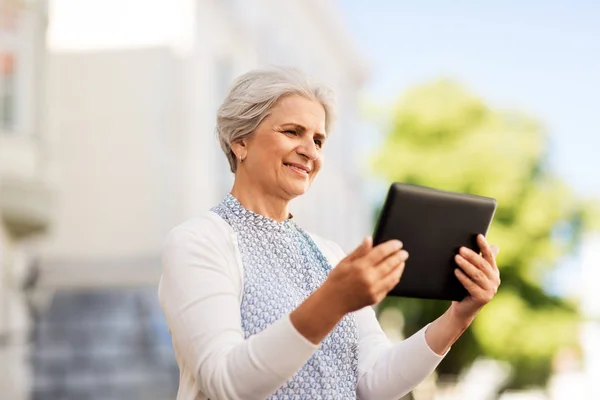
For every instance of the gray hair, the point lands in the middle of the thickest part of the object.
(254, 94)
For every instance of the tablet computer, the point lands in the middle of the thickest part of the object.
(432, 224)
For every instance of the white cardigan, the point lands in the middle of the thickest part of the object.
(200, 292)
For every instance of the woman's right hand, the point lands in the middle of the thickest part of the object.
(361, 279)
(367, 274)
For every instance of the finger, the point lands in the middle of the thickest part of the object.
(362, 250)
(391, 262)
(392, 279)
(473, 288)
(486, 250)
(477, 260)
(474, 273)
(382, 251)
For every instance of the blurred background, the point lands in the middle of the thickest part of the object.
(107, 112)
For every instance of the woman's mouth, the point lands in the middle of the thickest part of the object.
(298, 169)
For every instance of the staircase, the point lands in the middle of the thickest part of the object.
(103, 344)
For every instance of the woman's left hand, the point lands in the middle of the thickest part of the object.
(479, 274)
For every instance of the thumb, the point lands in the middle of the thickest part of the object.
(365, 246)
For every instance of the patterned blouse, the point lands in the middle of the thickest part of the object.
(282, 267)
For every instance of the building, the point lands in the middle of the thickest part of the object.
(132, 87)
(134, 111)
(26, 187)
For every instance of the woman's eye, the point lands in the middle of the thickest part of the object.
(291, 132)
(319, 143)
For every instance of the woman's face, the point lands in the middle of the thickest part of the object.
(283, 156)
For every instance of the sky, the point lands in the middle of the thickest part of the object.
(542, 57)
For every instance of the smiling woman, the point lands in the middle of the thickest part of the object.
(253, 304)
(285, 149)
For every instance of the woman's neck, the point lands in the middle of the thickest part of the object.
(253, 198)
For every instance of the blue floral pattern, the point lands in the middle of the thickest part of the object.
(282, 267)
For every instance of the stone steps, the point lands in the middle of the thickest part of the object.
(103, 344)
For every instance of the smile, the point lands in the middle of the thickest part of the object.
(298, 169)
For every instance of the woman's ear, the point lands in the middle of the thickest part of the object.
(239, 148)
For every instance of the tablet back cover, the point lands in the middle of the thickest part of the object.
(432, 224)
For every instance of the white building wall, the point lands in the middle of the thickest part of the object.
(23, 186)
(118, 151)
(4, 284)
(135, 131)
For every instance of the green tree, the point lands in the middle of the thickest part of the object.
(442, 136)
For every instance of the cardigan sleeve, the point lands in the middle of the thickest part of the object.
(201, 301)
(386, 370)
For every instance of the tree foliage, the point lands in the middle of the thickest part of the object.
(444, 137)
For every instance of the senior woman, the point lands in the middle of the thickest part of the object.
(255, 308)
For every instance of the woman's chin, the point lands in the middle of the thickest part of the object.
(296, 189)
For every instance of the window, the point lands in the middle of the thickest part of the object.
(7, 91)
(9, 10)
(21, 48)
(9, 37)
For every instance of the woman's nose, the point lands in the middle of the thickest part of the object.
(309, 150)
